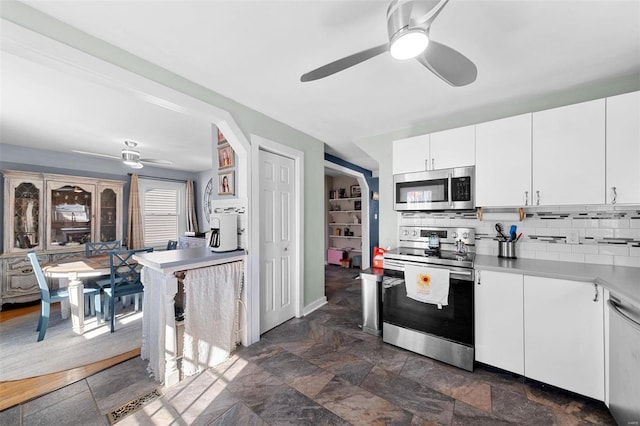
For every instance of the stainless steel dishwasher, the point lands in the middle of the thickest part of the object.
(624, 361)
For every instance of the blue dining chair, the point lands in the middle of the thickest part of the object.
(47, 296)
(101, 247)
(125, 280)
(95, 248)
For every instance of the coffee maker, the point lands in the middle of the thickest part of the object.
(224, 232)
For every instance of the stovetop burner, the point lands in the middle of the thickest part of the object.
(456, 247)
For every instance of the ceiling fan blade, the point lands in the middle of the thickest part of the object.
(155, 161)
(448, 64)
(425, 11)
(344, 63)
(95, 154)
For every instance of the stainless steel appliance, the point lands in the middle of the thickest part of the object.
(445, 189)
(624, 361)
(444, 333)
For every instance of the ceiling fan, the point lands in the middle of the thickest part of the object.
(129, 156)
(408, 24)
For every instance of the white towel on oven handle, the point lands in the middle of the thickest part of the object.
(427, 285)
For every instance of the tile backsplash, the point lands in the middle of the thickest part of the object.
(588, 234)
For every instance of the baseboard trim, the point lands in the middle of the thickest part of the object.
(314, 305)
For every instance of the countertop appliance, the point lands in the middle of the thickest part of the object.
(444, 189)
(444, 333)
(224, 232)
(624, 361)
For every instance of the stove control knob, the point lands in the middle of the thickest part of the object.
(454, 235)
(465, 235)
(405, 232)
(415, 233)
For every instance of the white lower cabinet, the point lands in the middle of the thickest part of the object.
(546, 329)
(564, 334)
(499, 327)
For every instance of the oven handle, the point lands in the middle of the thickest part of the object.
(399, 266)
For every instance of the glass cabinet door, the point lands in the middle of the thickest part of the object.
(26, 203)
(70, 213)
(108, 215)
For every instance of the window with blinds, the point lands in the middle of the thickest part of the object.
(162, 211)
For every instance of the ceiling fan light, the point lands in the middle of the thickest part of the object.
(137, 165)
(407, 44)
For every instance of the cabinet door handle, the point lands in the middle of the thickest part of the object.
(27, 271)
(479, 277)
(526, 198)
(426, 164)
(595, 298)
(615, 195)
(537, 198)
(433, 164)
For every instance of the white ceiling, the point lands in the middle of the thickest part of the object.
(255, 51)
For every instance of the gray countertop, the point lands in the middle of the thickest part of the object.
(623, 281)
(189, 258)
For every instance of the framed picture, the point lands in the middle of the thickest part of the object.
(226, 183)
(357, 205)
(221, 138)
(355, 191)
(225, 156)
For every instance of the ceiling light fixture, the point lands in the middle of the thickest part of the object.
(408, 43)
(130, 156)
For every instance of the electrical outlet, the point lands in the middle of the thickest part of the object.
(573, 237)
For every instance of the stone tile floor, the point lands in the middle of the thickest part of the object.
(320, 369)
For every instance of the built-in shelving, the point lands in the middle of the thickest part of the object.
(344, 213)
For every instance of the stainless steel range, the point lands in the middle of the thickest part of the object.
(443, 331)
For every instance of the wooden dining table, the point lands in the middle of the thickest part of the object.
(71, 272)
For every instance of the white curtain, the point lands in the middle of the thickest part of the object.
(211, 305)
(153, 322)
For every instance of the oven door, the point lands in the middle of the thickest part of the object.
(453, 322)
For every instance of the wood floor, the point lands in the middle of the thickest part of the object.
(18, 391)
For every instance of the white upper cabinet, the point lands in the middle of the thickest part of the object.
(503, 162)
(623, 149)
(411, 154)
(568, 154)
(453, 148)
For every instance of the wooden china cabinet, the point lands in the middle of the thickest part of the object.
(55, 215)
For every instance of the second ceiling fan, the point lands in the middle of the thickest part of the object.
(408, 24)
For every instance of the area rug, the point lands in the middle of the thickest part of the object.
(22, 356)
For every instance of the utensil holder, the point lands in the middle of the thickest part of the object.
(507, 249)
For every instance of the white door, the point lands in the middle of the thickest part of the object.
(623, 149)
(564, 334)
(453, 148)
(499, 320)
(503, 162)
(411, 155)
(568, 154)
(277, 243)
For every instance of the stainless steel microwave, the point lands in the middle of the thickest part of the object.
(444, 189)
